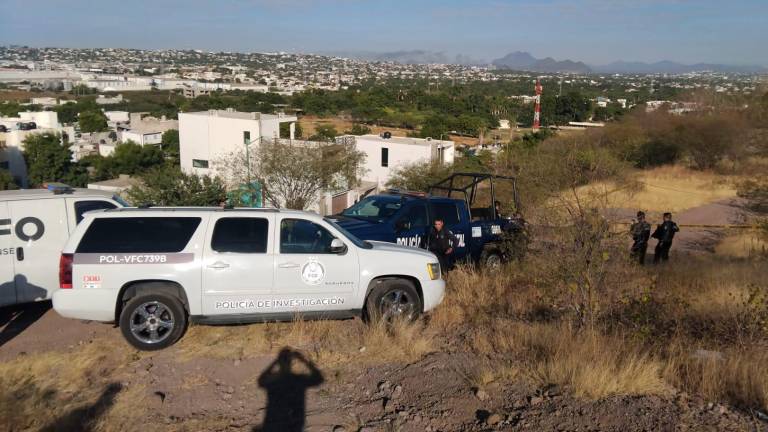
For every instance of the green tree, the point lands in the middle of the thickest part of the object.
(92, 121)
(6, 180)
(130, 158)
(324, 132)
(358, 129)
(165, 186)
(170, 146)
(10, 109)
(47, 158)
(435, 126)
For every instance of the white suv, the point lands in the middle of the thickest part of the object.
(150, 270)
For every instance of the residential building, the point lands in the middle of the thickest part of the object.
(207, 136)
(12, 141)
(141, 138)
(386, 153)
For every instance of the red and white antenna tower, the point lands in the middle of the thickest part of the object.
(537, 107)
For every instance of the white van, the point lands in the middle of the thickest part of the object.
(34, 226)
(152, 270)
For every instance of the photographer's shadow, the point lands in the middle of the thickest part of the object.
(286, 392)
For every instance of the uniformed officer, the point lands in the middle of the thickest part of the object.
(641, 232)
(441, 242)
(665, 232)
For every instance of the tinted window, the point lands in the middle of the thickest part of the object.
(374, 208)
(138, 235)
(447, 212)
(416, 215)
(199, 163)
(241, 235)
(303, 236)
(86, 206)
(384, 157)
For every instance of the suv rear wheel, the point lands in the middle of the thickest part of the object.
(153, 321)
(393, 299)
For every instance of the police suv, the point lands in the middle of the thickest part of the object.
(152, 270)
(34, 225)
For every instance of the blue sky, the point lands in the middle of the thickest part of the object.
(594, 31)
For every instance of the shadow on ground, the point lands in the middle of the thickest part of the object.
(287, 392)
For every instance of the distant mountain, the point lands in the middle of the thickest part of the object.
(524, 61)
(670, 67)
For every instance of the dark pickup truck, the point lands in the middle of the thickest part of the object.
(404, 217)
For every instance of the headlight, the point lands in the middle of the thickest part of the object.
(434, 270)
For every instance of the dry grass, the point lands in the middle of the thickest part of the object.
(743, 245)
(63, 389)
(738, 376)
(590, 364)
(667, 188)
(326, 342)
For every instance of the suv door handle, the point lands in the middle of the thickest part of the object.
(219, 265)
(288, 265)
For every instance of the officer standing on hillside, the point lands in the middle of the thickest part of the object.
(441, 242)
(641, 232)
(665, 232)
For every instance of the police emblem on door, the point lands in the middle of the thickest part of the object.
(313, 272)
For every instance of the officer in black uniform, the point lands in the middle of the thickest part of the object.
(641, 232)
(441, 242)
(665, 232)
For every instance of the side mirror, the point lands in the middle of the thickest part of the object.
(338, 246)
(402, 225)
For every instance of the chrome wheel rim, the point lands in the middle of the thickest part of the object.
(152, 322)
(397, 303)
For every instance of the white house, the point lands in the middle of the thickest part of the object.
(12, 141)
(386, 153)
(207, 136)
(141, 138)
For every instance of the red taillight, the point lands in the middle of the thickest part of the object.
(65, 271)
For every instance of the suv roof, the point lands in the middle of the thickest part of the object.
(155, 211)
(13, 195)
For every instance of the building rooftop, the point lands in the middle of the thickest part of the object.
(231, 113)
(405, 140)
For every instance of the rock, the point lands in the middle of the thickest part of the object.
(535, 400)
(362, 349)
(384, 386)
(481, 394)
(160, 395)
(236, 362)
(339, 428)
(493, 419)
(722, 410)
(229, 390)
(397, 391)
(519, 404)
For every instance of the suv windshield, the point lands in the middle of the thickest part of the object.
(359, 243)
(374, 208)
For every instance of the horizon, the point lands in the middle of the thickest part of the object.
(681, 31)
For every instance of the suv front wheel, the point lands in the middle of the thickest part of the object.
(393, 299)
(153, 321)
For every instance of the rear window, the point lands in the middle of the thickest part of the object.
(447, 212)
(138, 234)
(82, 207)
(240, 235)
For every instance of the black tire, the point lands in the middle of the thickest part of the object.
(491, 259)
(392, 299)
(147, 331)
